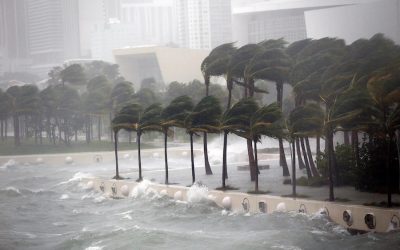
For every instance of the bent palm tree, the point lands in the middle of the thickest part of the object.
(266, 121)
(236, 74)
(236, 120)
(174, 116)
(274, 65)
(215, 64)
(204, 118)
(127, 118)
(305, 120)
(149, 121)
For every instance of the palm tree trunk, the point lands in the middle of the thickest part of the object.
(318, 145)
(192, 158)
(138, 135)
(2, 130)
(389, 171)
(303, 150)
(99, 128)
(252, 165)
(206, 161)
(111, 130)
(116, 155)
(346, 139)
(166, 156)
(17, 141)
(282, 157)
(256, 167)
(294, 169)
(6, 129)
(300, 159)
(329, 149)
(224, 163)
(398, 154)
(314, 170)
(354, 142)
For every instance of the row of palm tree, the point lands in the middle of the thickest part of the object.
(325, 74)
(245, 119)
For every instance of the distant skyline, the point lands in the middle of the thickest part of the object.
(36, 35)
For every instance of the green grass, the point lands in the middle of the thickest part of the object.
(29, 147)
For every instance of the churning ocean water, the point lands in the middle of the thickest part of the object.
(47, 207)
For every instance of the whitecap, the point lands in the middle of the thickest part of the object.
(79, 176)
(94, 248)
(59, 224)
(197, 193)
(127, 217)
(143, 189)
(11, 191)
(9, 164)
(99, 199)
(64, 197)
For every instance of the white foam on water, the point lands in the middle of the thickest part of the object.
(94, 248)
(60, 224)
(79, 176)
(13, 189)
(197, 193)
(8, 164)
(143, 189)
(285, 247)
(99, 199)
(26, 234)
(64, 197)
(127, 217)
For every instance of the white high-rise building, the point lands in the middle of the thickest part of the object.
(13, 40)
(53, 33)
(203, 24)
(134, 23)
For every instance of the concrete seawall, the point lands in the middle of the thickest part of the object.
(353, 217)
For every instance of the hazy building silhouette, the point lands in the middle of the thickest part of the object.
(203, 24)
(352, 22)
(53, 33)
(13, 36)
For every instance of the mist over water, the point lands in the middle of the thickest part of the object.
(47, 207)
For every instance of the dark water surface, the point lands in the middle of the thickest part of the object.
(46, 207)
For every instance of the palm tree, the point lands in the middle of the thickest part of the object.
(174, 116)
(149, 121)
(373, 108)
(236, 74)
(304, 120)
(272, 64)
(236, 120)
(204, 118)
(121, 95)
(127, 118)
(266, 121)
(96, 99)
(73, 74)
(216, 64)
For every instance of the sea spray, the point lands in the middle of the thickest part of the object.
(197, 193)
(143, 189)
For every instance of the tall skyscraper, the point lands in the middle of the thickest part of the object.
(203, 24)
(53, 33)
(134, 23)
(13, 40)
